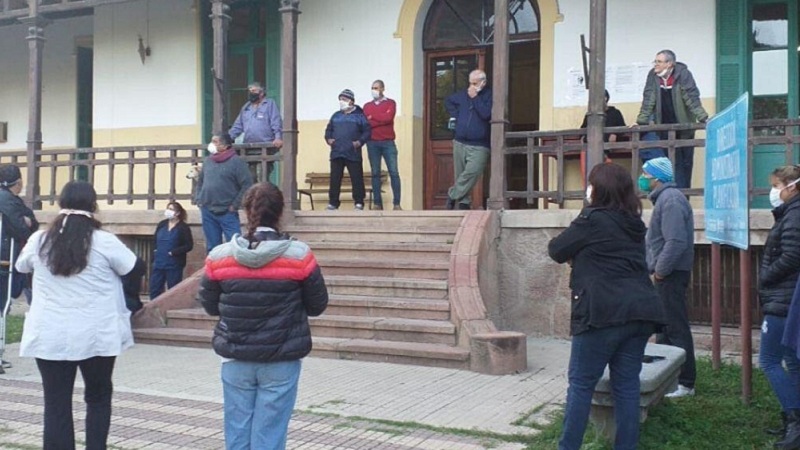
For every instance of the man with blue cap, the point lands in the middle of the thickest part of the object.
(670, 255)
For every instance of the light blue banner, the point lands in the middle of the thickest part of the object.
(726, 200)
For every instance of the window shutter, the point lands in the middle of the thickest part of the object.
(732, 38)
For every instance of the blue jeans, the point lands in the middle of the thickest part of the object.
(158, 277)
(654, 152)
(259, 398)
(387, 150)
(214, 226)
(621, 348)
(785, 382)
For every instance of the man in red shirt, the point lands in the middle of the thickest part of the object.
(380, 113)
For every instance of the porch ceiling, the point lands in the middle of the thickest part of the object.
(12, 10)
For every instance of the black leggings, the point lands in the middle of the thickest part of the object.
(58, 380)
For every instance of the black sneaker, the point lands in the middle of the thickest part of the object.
(6, 364)
(463, 206)
(451, 204)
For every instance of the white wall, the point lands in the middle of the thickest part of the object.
(59, 85)
(345, 44)
(636, 31)
(164, 90)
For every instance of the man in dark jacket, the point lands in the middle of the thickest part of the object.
(671, 95)
(346, 133)
(471, 110)
(220, 187)
(670, 256)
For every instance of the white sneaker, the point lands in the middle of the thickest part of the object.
(331, 208)
(359, 207)
(682, 391)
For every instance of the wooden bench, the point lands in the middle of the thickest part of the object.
(657, 379)
(319, 183)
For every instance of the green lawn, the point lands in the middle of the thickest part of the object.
(14, 328)
(714, 419)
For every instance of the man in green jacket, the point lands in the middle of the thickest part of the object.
(671, 96)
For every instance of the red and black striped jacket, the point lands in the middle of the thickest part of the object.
(263, 293)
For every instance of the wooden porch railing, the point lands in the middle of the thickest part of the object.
(135, 175)
(541, 148)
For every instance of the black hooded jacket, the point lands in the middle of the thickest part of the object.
(610, 282)
(780, 263)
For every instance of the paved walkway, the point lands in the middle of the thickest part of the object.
(170, 398)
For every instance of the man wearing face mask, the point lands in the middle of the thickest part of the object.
(259, 120)
(220, 188)
(18, 224)
(380, 113)
(671, 96)
(670, 256)
(472, 110)
(346, 133)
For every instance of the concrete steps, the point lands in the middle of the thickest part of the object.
(386, 275)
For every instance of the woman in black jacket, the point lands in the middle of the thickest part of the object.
(173, 239)
(615, 307)
(263, 286)
(777, 277)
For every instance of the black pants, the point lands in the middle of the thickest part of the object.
(58, 380)
(356, 171)
(672, 290)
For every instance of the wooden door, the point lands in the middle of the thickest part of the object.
(445, 73)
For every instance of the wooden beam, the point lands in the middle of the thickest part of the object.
(596, 117)
(35, 38)
(220, 21)
(500, 79)
(9, 15)
(290, 9)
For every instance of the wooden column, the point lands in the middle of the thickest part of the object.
(220, 21)
(597, 81)
(290, 10)
(500, 79)
(35, 38)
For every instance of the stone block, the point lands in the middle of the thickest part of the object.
(657, 379)
(498, 353)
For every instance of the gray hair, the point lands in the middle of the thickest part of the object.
(256, 85)
(478, 73)
(669, 55)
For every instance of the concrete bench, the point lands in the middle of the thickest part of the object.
(319, 183)
(657, 379)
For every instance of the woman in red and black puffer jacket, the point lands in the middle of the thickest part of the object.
(263, 286)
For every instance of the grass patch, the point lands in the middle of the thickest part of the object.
(714, 419)
(14, 328)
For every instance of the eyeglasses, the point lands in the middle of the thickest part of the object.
(657, 62)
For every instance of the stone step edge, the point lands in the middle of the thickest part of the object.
(414, 283)
(420, 229)
(396, 348)
(355, 322)
(382, 263)
(417, 247)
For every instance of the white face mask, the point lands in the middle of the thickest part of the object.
(589, 193)
(212, 148)
(343, 105)
(169, 214)
(376, 94)
(775, 197)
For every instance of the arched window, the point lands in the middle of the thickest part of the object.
(470, 23)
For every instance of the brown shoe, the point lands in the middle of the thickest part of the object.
(377, 207)
(397, 208)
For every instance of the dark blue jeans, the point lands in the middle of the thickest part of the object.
(785, 382)
(217, 225)
(621, 348)
(158, 277)
(388, 151)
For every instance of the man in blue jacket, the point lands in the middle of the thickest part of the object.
(346, 133)
(471, 110)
